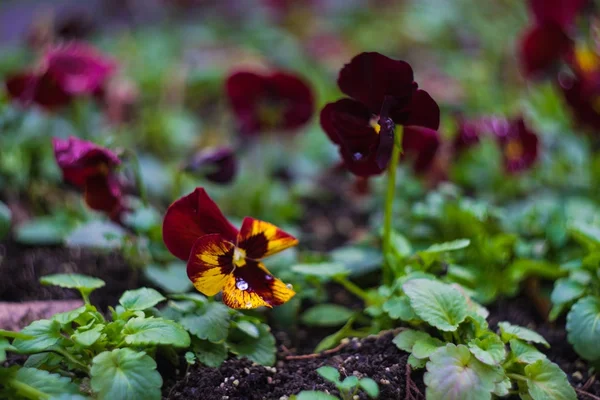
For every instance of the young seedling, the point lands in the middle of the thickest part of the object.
(349, 387)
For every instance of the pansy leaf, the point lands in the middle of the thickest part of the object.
(583, 327)
(211, 322)
(190, 358)
(260, 350)
(349, 382)
(447, 246)
(326, 315)
(171, 278)
(97, 235)
(248, 328)
(399, 307)
(4, 345)
(440, 305)
(453, 373)
(140, 299)
(69, 316)
(490, 350)
(46, 360)
(314, 395)
(41, 231)
(357, 260)
(545, 380)
(525, 353)
(416, 363)
(567, 290)
(324, 269)
(423, 348)
(370, 387)
(83, 283)
(332, 340)
(47, 385)
(503, 387)
(89, 337)
(509, 331)
(209, 353)
(125, 374)
(406, 339)
(155, 331)
(45, 334)
(329, 373)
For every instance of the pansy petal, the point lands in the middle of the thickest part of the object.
(253, 286)
(560, 12)
(422, 111)
(102, 193)
(191, 217)
(210, 263)
(542, 47)
(261, 239)
(420, 144)
(244, 90)
(297, 97)
(347, 123)
(22, 87)
(370, 77)
(217, 164)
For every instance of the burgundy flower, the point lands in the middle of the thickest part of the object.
(275, 102)
(471, 131)
(547, 41)
(383, 93)
(66, 72)
(91, 168)
(218, 164)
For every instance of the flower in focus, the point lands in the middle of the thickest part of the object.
(65, 72)
(581, 89)
(382, 93)
(92, 169)
(221, 258)
(549, 41)
(217, 164)
(266, 103)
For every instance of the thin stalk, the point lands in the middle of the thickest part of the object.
(14, 335)
(27, 391)
(517, 377)
(352, 288)
(68, 356)
(388, 275)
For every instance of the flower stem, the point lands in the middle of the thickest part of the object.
(388, 275)
(352, 288)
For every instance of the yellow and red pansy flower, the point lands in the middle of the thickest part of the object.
(221, 258)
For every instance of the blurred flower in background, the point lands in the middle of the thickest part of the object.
(217, 164)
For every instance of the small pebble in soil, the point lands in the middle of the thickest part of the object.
(384, 381)
(236, 382)
(577, 375)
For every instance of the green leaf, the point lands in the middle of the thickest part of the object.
(509, 331)
(453, 373)
(502, 388)
(4, 345)
(357, 260)
(545, 380)
(490, 351)
(332, 340)
(125, 374)
(190, 358)
(329, 373)
(583, 328)
(5, 218)
(67, 317)
(567, 290)
(210, 354)
(438, 304)
(46, 360)
(171, 279)
(370, 387)
(211, 322)
(45, 333)
(525, 353)
(89, 337)
(406, 339)
(41, 231)
(349, 383)
(45, 383)
(260, 350)
(423, 348)
(154, 331)
(83, 283)
(399, 308)
(326, 315)
(324, 269)
(314, 395)
(96, 234)
(142, 219)
(248, 328)
(401, 245)
(140, 299)
(447, 246)
(416, 363)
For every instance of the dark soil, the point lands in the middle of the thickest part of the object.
(21, 268)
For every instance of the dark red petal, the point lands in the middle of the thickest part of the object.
(295, 94)
(370, 77)
(78, 68)
(189, 218)
(422, 111)
(527, 142)
(22, 87)
(244, 90)
(560, 12)
(218, 165)
(347, 123)
(542, 47)
(79, 159)
(103, 193)
(420, 145)
(581, 99)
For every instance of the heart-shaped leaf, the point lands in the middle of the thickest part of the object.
(583, 327)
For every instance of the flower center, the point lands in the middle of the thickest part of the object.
(374, 122)
(586, 59)
(239, 257)
(514, 150)
(270, 114)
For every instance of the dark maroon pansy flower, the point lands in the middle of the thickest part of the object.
(547, 41)
(383, 93)
(519, 146)
(66, 72)
(217, 164)
(91, 168)
(266, 103)
(470, 132)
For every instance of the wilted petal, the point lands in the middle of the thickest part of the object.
(191, 217)
(370, 77)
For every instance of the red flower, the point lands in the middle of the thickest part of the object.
(221, 258)
(263, 103)
(66, 72)
(217, 164)
(91, 168)
(383, 93)
(547, 42)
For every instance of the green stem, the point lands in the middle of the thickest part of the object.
(352, 288)
(517, 377)
(14, 335)
(388, 275)
(27, 391)
(69, 357)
